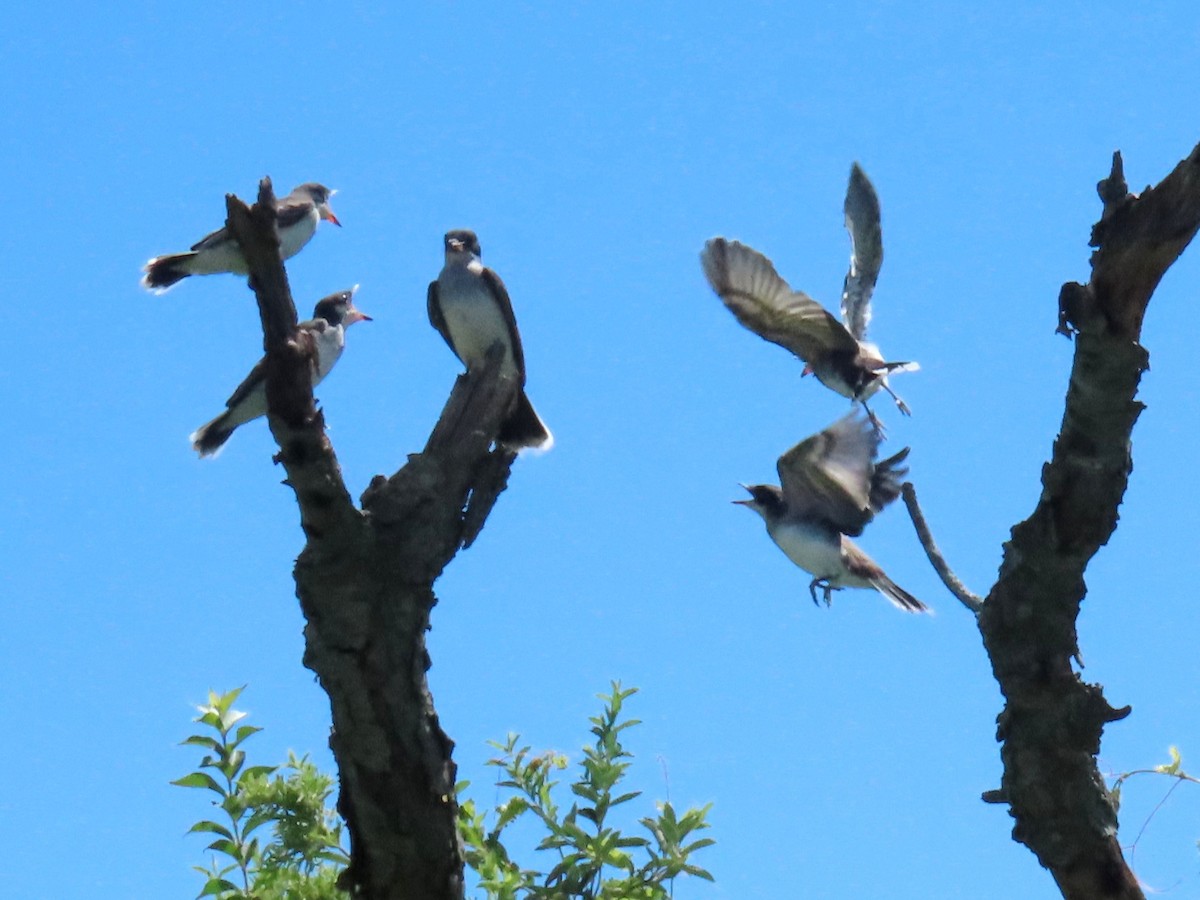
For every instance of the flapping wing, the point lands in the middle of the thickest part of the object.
(764, 303)
(828, 475)
(886, 479)
(866, 252)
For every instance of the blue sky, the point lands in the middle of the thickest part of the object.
(594, 148)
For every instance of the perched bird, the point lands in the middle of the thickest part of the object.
(469, 307)
(832, 488)
(333, 315)
(298, 214)
(836, 352)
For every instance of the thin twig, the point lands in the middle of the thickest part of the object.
(971, 601)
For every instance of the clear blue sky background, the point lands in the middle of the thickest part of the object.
(594, 148)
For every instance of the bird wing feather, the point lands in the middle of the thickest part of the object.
(863, 222)
(500, 292)
(764, 303)
(828, 475)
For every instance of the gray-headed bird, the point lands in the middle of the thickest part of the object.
(831, 488)
(297, 216)
(333, 315)
(469, 306)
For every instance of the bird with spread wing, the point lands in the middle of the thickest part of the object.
(831, 489)
(836, 352)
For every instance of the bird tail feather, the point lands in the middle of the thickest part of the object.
(899, 597)
(208, 439)
(524, 428)
(163, 272)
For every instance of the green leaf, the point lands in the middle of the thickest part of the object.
(199, 780)
(215, 887)
(252, 772)
(226, 846)
(244, 732)
(510, 810)
(202, 740)
(212, 827)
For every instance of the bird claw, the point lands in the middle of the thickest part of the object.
(875, 423)
(826, 588)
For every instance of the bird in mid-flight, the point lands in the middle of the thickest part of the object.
(837, 353)
(831, 488)
(469, 306)
(333, 315)
(297, 216)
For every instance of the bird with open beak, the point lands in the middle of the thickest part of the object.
(297, 216)
(332, 316)
(831, 488)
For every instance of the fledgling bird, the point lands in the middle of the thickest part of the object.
(831, 488)
(333, 315)
(836, 352)
(469, 306)
(298, 214)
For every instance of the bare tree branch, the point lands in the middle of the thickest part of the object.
(971, 601)
(365, 583)
(1052, 722)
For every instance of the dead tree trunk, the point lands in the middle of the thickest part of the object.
(365, 583)
(1052, 721)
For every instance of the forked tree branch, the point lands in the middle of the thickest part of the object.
(365, 583)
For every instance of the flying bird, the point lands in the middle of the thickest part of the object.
(469, 306)
(333, 315)
(837, 353)
(831, 488)
(297, 216)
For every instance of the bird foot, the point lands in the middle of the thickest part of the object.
(826, 588)
(875, 423)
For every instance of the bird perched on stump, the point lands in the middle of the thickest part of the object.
(332, 316)
(469, 306)
(831, 488)
(297, 216)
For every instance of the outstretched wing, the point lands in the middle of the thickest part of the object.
(764, 303)
(829, 475)
(866, 252)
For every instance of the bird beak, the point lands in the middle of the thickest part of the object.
(808, 370)
(455, 245)
(356, 315)
(327, 214)
(749, 502)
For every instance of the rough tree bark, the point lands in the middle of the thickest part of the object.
(365, 583)
(1052, 720)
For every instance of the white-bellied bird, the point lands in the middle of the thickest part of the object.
(297, 216)
(831, 488)
(333, 315)
(469, 306)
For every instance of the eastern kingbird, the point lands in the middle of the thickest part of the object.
(469, 307)
(836, 352)
(298, 214)
(832, 488)
(333, 315)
